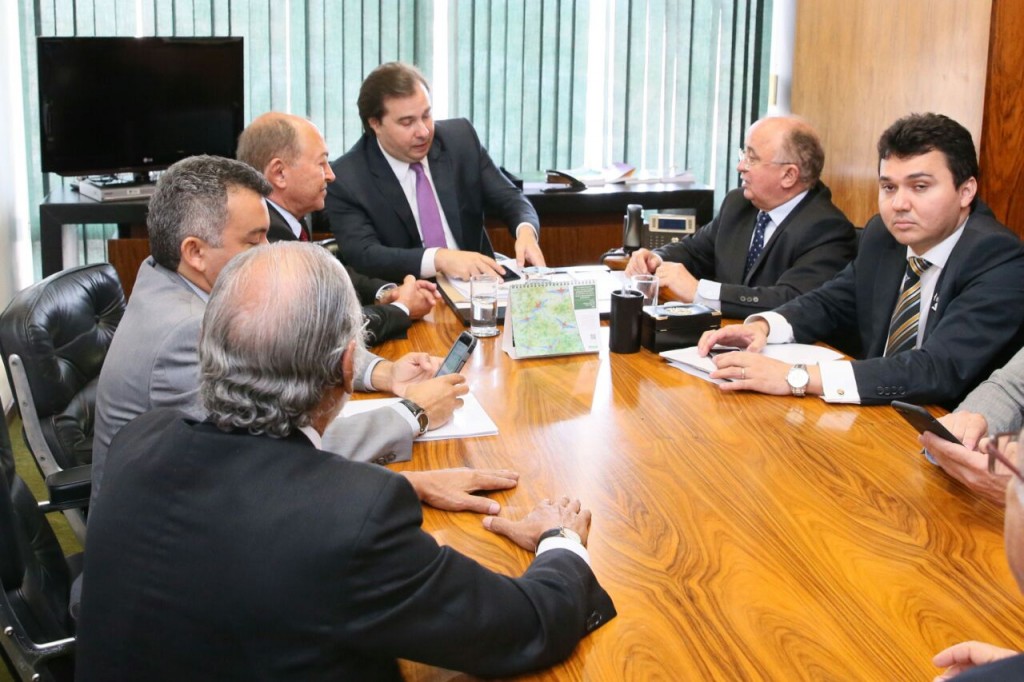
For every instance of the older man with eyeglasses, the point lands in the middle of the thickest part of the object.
(776, 237)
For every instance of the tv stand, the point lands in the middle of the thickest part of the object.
(116, 189)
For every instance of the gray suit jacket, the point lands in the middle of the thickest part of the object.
(1000, 397)
(812, 244)
(153, 362)
(372, 219)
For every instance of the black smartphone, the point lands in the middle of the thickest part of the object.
(920, 419)
(458, 355)
(510, 275)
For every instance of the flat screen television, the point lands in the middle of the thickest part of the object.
(120, 105)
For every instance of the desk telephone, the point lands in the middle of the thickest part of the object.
(663, 228)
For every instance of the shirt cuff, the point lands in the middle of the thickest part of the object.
(779, 330)
(404, 413)
(576, 548)
(427, 267)
(369, 373)
(838, 384)
(709, 293)
(401, 306)
(520, 227)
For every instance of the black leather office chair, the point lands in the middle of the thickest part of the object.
(36, 627)
(54, 336)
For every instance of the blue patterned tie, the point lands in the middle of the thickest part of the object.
(757, 244)
(906, 315)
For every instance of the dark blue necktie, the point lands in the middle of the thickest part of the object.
(757, 244)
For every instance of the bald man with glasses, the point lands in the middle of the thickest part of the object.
(776, 237)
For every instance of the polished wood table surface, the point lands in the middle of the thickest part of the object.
(741, 536)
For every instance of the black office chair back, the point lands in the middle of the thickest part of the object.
(60, 330)
(36, 628)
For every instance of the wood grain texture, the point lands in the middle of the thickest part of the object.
(861, 64)
(1002, 138)
(741, 536)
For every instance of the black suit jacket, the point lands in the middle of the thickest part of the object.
(383, 322)
(811, 245)
(974, 325)
(374, 223)
(225, 556)
(1003, 670)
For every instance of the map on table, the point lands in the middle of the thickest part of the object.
(551, 318)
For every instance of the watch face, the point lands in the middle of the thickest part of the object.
(798, 377)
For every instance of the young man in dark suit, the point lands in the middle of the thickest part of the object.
(933, 296)
(410, 195)
(237, 549)
(292, 155)
(776, 237)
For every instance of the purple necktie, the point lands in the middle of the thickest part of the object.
(430, 217)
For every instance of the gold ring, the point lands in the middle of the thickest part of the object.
(743, 373)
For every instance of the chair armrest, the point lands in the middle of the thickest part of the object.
(69, 488)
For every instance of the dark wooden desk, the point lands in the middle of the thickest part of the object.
(583, 225)
(741, 536)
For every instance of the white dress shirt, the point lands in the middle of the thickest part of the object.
(839, 385)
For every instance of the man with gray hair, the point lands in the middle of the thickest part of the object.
(776, 237)
(205, 211)
(328, 577)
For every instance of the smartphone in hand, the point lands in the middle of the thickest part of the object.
(922, 420)
(458, 355)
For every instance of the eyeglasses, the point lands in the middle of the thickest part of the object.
(749, 159)
(999, 449)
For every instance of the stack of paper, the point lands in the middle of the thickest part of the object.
(687, 359)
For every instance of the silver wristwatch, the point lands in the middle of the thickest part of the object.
(798, 378)
(560, 532)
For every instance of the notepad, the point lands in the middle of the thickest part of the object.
(551, 318)
(792, 353)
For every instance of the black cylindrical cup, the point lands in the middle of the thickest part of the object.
(624, 336)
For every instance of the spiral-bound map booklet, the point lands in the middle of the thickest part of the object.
(551, 318)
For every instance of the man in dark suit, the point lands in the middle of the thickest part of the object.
(237, 549)
(410, 196)
(292, 155)
(775, 238)
(933, 296)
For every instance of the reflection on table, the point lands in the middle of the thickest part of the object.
(741, 536)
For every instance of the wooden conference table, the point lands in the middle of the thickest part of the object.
(741, 536)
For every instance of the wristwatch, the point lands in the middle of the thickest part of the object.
(383, 294)
(560, 532)
(418, 413)
(798, 378)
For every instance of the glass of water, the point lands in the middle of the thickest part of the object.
(646, 285)
(483, 301)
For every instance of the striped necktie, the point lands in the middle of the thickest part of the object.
(430, 216)
(903, 327)
(757, 243)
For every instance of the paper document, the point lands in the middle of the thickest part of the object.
(468, 421)
(791, 353)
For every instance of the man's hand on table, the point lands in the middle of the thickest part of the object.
(396, 377)
(418, 295)
(968, 463)
(452, 489)
(527, 248)
(545, 516)
(439, 397)
(966, 655)
(465, 264)
(642, 262)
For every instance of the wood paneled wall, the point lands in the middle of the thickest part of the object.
(861, 64)
(1002, 137)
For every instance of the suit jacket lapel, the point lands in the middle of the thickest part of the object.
(392, 192)
(778, 231)
(737, 249)
(444, 183)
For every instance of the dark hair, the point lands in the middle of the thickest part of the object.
(191, 200)
(393, 79)
(919, 134)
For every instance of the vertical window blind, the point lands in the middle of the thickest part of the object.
(660, 84)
